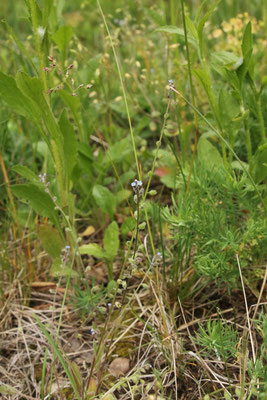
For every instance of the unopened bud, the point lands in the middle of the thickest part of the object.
(142, 226)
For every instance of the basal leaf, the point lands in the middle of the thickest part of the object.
(58, 270)
(92, 249)
(39, 200)
(128, 225)
(208, 155)
(104, 199)
(26, 172)
(51, 240)
(14, 98)
(111, 240)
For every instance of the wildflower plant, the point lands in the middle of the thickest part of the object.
(217, 339)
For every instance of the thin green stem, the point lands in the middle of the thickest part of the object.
(123, 89)
(137, 224)
(248, 143)
(157, 150)
(260, 118)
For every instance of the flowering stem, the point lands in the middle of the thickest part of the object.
(157, 150)
(137, 225)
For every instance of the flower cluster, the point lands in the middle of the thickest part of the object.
(66, 75)
(156, 260)
(65, 255)
(42, 179)
(138, 189)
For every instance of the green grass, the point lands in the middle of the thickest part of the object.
(133, 200)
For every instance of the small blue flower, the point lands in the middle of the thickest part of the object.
(67, 247)
(133, 184)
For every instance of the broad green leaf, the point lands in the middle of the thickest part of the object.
(202, 23)
(236, 165)
(191, 27)
(47, 7)
(92, 249)
(86, 150)
(264, 81)
(208, 155)
(200, 11)
(225, 59)
(178, 31)
(112, 286)
(62, 37)
(170, 29)
(38, 11)
(247, 40)
(39, 200)
(20, 45)
(111, 240)
(73, 102)
(13, 96)
(229, 106)
(104, 199)
(244, 67)
(119, 151)
(232, 79)
(259, 164)
(26, 172)
(70, 143)
(58, 270)
(155, 16)
(122, 195)
(86, 165)
(33, 89)
(128, 225)
(51, 240)
(204, 79)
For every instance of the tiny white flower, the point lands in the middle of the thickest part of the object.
(41, 32)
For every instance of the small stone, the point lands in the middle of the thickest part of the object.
(119, 367)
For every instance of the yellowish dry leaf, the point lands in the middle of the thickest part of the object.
(88, 231)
